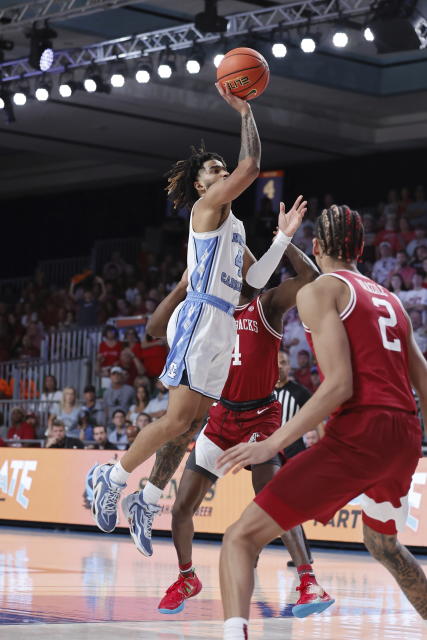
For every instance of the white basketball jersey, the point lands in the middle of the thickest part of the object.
(215, 260)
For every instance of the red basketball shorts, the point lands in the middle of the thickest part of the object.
(226, 428)
(373, 452)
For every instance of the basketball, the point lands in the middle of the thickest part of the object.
(245, 71)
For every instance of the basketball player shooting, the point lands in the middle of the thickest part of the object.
(363, 342)
(204, 333)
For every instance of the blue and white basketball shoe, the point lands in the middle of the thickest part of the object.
(106, 495)
(140, 515)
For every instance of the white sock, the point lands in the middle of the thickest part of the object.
(118, 475)
(236, 629)
(151, 494)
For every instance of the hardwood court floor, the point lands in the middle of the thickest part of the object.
(56, 585)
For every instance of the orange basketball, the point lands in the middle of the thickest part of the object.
(245, 71)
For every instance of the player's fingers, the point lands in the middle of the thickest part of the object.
(282, 208)
(297, 202)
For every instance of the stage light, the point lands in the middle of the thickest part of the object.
(195, 60)
(164, 70)
(166, 65)
(19, 98)
(93, 81)
(143, 73)
(218, 59)
(368, 34)
(340, 39)
(279, 50)
(41, 48)
(2, 103)
(308, 44)
(117, 80)
(67, 85)
(43, 90)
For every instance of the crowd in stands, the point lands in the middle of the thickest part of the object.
(126, 394)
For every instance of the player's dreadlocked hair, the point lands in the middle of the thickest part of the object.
(184, 173)
(340, 232)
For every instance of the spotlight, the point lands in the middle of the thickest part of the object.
(218, 59)
(67, 85)
(279, 48)
(94, 81)
(118, 75)
(43, 90)
(143, 73)
(195, 60)
(2, 103)
(308, 44)
(167, 64)
(20, 98)
(41, 49)
(368, 34)
(340, 39)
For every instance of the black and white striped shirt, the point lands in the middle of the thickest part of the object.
(292, 396)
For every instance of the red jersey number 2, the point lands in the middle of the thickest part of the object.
(391, 321)
(236, 356)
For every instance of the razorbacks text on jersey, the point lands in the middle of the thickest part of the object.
(256, 348)
(377, 330)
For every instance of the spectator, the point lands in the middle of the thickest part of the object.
(118, 435)
(101, 439)
(131, 432)
(31, 341)
(109, 350)
(154, 352)
(91, 412)
(419, 240)
(158, 405)
(420, 333)
(69, 412)
(369, 246)
(51, 395)
(405, 200)
(294, 337)
(311, 438)
(397, 286)
(142, 420)
(419, 254)
(424, 271)
(59, 440)
(118, 396)
(315, 378)
(20, 429)
(302, 374)
(417, 210)
(141, 403)
(88, 307)
(402, 268)
(384, 265)
(416, 298)
(131, 365)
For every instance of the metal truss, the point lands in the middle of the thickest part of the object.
(286, 16)
(25, 13)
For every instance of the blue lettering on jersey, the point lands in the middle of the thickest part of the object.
(231, 282)
(239, 262)
(238, 238)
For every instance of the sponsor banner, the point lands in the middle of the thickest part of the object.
(39, 485)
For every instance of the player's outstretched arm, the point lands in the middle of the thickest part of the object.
(317, 306)
(418, 373)
(280, 299)
(158, 322)
(247, 169)
(258, 273)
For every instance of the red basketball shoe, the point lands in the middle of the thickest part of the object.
(185, 587)
(313, 598)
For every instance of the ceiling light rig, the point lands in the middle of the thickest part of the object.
(144, 71)
(167, 64)
(43, 90)
(195, 60)
(41, 48)
(279, 48)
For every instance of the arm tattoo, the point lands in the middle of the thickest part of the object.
(250, 145)
(169, 456)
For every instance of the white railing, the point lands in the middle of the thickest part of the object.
(61, 270)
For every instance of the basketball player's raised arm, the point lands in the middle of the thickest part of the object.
(158, 321)
(283, 297)
(258, 273)
(247, 170)
(418, 373)
(317, 306)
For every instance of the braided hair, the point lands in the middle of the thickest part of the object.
(340, 232)
(183, 174)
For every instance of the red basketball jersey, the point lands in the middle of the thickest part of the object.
(377, 330)
(253, 371)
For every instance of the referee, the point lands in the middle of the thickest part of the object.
(291, 396)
